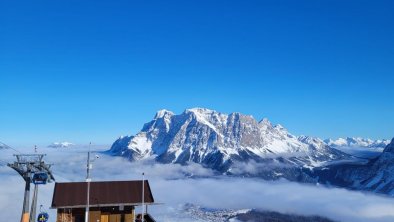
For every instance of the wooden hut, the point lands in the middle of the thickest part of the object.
(110, 201)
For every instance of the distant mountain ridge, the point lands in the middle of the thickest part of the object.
(61, 145)
(237, 144)
(376, 175)
(220, 141)
(357, 142)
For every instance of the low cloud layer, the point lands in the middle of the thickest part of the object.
(175, 185)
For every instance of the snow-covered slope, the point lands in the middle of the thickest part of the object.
(379, 173)
(219, 140)
(360, 147)
(357, 142)
(61, 145)
(375, 175)
(237, 144)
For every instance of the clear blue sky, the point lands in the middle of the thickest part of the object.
(93, 70)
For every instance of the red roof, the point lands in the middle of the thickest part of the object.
(105, 193)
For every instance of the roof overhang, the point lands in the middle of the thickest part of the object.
(104, 205)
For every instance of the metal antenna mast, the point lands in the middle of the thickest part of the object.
(33, 169)
(89, 166)
(88, 179)
(143, 197)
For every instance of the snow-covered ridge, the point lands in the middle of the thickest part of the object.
(218, 140)
(390, 147)
(376, 175)
(61, 145)
(239, 145)
(162, 113)
(357, 142)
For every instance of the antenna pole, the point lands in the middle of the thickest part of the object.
(88, 179)
(143, 197)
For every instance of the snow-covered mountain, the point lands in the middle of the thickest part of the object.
(375, 175)
(237, 144)
(223, 141)
(61, 145)
(357, 142)
(379, 174)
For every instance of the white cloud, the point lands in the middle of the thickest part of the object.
(254, 168)
(172, 187)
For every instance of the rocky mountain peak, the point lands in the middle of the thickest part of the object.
(199, 110)
(390, 148)
(163, 113)
(217, 140)
(265, 123)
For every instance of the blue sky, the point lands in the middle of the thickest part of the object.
(93, 70)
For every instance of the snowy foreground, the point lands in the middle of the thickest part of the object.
(176, 186)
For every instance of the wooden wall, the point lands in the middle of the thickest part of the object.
(104, 214)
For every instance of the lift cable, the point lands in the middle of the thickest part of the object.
(8, 147)
(3, 163)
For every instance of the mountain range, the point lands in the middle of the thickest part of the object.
(61, 145)
(375, 175)
(221, 142)
(357, 142)
(239, 145)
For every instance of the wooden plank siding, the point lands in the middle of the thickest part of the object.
(104, 214)
(94, 216)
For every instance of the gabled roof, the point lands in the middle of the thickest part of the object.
(105, 193)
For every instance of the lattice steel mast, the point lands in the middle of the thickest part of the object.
(28, 165)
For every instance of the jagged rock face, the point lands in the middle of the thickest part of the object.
(237, 144)
(381, 172)
(218, 140)
(118, 146)
(389, 148)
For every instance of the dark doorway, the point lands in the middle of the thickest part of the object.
(79, 218)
